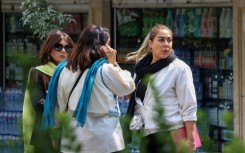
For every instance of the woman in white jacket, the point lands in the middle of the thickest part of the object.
(88, 86)
(172, 78)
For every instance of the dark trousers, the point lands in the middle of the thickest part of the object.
(160, 142)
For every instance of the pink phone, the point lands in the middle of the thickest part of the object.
(104, 50)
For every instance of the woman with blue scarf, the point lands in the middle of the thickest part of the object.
(86, 86)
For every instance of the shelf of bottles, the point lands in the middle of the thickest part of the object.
(20, 44)
(203, 39)
(21, 53)
(11, 103)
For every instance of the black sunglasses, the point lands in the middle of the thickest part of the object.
(59, 47)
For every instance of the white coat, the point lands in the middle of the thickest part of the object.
(102, 132)
(176, 92)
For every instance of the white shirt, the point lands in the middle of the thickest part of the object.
(102, 131)
(175, 87)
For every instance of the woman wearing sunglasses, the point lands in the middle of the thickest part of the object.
(55, 49)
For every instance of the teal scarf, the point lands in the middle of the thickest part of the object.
(81, 109)
(51, 97)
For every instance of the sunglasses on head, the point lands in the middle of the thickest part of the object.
(59, 47)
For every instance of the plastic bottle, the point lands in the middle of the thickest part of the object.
(210, 23)
(7, 98)
(12, 71)
(13, 23)
(2, 143)
(169, 19)
(197, 22)
(15, 125)
(222, 23)
(176, 25)
(5, 124)
(204, 25)
(214, 22)
(18, 117)
(1, 122)
(228, 24)
(145, 24)
(1, 96)
(191, 21)
(183, 23)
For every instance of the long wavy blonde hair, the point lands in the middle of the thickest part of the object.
(145, 47)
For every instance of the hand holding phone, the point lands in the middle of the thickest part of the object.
(110, 53)
(104, 50)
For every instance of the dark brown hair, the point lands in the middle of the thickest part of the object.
(52, 39)
(86, 51)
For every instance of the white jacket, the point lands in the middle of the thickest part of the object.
(174, 84)
(102, 131)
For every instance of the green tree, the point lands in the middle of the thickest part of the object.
(42, 18)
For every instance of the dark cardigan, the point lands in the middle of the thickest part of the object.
(37, 85)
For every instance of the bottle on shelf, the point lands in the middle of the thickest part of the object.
(204, 25)
(13, 23)
(176, 24)
(145, 24)
(210, 23)
(183, 22)
(8, 49)
(222, 23)
(191, 23)
(20, 47)
(1, 96)
(197, 22)
(14, 48)
(11, 71)
(228, 25)
(213, 14)
(169, 19)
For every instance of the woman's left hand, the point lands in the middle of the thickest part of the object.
(191, 146)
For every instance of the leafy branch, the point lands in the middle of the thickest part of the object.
(42, 18)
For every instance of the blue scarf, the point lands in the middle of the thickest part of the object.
(81, 109)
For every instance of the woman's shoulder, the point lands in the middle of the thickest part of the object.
(66, 72)
(34, 71)
(36, 75)
(67, 75)
(180, 63)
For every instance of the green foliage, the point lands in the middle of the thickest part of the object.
(236, 146)
(42, 18)
(164, 137)
(202, 121)
(68, 133)
(228, 118)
